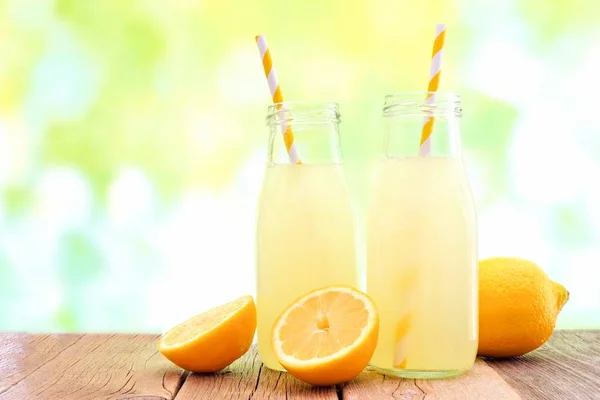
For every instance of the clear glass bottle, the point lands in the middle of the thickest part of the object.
(422, 242)
(306, 222)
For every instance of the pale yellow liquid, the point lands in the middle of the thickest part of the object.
(305, 240)
(422, 267)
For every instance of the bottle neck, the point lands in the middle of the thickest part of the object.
(422, 124)
(304, 131)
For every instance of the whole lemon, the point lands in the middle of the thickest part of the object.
(518, 306)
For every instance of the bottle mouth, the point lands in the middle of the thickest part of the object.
(431, 104)
(303, 112)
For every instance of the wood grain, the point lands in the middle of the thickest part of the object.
(372, 385)
(88, 367)
(22, 354)
(481, 382)
(247, 379)
(128, 367)
(567, 367)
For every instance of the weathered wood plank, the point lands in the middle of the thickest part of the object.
(372, 385)
(129, 367)
(481, 382)
(281, 385)
(22, 354)
(90, 367)
(566, 367)
(238, 381)
(248, 378)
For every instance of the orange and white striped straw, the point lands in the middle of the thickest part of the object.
(288, 134)
(434, 82)
(404, 334)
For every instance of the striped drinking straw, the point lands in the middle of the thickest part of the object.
(434, 83)
(288, 134)
(411, 279)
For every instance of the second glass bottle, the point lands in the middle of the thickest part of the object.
(422, 242)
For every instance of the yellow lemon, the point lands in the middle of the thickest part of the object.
(518, 306)
(211, 341)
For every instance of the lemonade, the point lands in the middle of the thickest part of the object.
(422, 266)
(305, 240)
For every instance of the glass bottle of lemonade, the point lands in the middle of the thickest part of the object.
(422, 243)
(305, 228)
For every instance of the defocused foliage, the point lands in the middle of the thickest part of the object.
(132, 140)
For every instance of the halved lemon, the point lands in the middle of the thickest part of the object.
(211, 341)
(327, 336)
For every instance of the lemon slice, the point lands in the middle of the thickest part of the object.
(327, 336)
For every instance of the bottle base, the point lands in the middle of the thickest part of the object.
(420, 374)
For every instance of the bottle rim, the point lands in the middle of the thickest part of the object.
(303, 112)
(424, 103)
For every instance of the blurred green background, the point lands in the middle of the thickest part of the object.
(132, 140)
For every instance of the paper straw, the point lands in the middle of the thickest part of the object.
(403, 325)
(401, 348)
(403, 336)
(434, 82)
(275, 89)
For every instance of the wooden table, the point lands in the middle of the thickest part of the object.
(128, 367)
